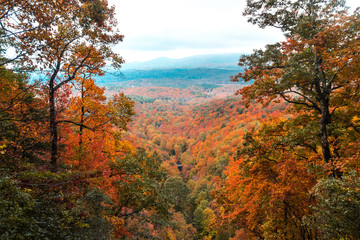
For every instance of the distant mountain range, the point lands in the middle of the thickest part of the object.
(172, 77)
(221, 61)
(166, 72)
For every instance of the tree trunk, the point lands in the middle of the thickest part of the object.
(81, 130)
(53, 123)
(82, 115)
(323, 89)
(325, 120)
(53, 126)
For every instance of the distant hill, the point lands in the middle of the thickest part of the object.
(222, 61)
(174, 77)
(197, 70)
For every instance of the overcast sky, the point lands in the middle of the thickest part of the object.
(180, 28)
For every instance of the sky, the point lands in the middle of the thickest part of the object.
(181, 28)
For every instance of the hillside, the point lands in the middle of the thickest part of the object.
(170, 148)
(204, 138)
(178, 85)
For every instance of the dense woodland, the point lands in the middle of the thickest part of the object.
(275, 156)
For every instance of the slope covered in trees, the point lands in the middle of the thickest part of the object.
(204, 139)
(178, 161)
(288, 177)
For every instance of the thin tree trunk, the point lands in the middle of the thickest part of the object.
(82, 115)
(324, 122)
(81, 130)
(53, 123)
(53, 127)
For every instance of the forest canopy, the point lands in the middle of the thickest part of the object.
(63, 159)
(283, 178)
(279, 161)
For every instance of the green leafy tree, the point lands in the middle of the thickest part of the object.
(141, 195)
(16, 205)
(337, 211)
(44, 205)
(178, 192)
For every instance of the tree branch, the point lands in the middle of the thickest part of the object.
(75, 123)
(74, 73)
(299, 103)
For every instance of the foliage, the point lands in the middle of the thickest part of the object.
(69, 170)
(22, 123)
(94, 119)
(15, 212)
(204, 151)
(65, 39)
(61, 120)
(312, 68)
(44, 207)
(141, 194)
(337, 211)
(267, 192)
(178, 192)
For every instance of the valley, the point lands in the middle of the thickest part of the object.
(193, 148)
(191, 117)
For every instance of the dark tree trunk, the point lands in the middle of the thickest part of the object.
(53, 122)
(81, 130)
(82, 115)
(53, 127)
(323, 87)
(325, 120)
(323, 90)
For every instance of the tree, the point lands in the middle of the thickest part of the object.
(337, 211)
(268, 189)
(178, 192)
(92, 140)
(16, 222)
(141, 198)
(22, 121)
(46, 205)
(64, 38)
(316, 68)
(266, 192)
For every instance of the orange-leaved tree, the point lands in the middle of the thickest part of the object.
(60, 39)
(267, 189)
(93, 140)
(316, 68)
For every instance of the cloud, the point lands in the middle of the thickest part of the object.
(183, 40)
(159, 28)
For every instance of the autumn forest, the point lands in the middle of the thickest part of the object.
(267, 149)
